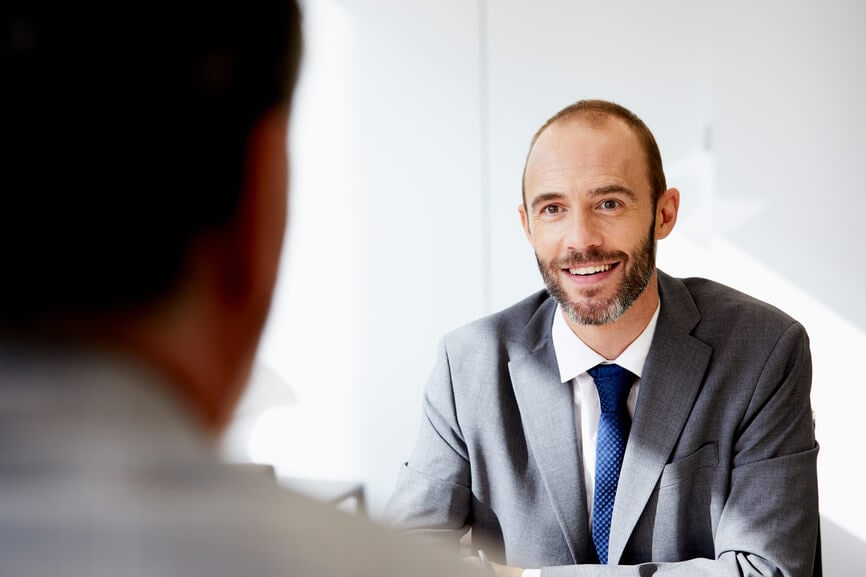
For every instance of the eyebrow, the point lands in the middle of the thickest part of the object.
(546, 197)
(613, 188)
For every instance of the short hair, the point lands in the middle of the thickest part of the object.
(598, 111)
(124, 129)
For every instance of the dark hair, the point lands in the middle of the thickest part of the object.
(598, 111)
(123, 128)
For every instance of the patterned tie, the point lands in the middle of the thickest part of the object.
(613, 383)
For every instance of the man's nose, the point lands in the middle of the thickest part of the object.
(583, 232)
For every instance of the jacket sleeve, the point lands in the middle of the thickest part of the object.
(433, 496)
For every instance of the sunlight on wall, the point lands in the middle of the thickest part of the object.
(294, 440)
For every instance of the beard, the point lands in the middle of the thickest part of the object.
(596, 311)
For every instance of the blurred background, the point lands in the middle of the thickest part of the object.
(410, 130)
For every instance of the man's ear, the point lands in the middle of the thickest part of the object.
(524, 221)
(241, 264)
(256, 237)
(667, 208)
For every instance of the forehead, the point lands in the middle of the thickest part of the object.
(578, 152)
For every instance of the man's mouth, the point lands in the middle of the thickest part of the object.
(590, 270)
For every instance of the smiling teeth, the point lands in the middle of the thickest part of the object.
(584, 270)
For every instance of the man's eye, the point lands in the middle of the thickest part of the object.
(609, 204)
(551, 209)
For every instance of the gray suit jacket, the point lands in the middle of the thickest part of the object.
(719, 475)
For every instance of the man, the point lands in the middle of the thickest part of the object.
(144, 204)
(713, 467)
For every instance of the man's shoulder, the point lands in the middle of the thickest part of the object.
(713, 293)
(316, 538)
(222, 524)
(718, 303)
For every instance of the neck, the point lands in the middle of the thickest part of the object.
(198, 356)
(611, 339)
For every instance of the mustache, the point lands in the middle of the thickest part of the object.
(575, 259)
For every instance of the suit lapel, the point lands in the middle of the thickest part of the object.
(670, 382)
(547, 411)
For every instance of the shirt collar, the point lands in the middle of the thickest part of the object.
(574, 357)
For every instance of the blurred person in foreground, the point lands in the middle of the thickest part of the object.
(144, 200)
(713, 467)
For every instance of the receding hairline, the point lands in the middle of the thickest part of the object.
(600, 113)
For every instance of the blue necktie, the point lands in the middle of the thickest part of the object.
(613, 383)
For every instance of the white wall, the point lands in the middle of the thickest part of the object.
(386, 236)
(410, 132)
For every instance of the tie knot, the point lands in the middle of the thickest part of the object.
(613, 383)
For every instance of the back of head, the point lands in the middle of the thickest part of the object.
(123, 130)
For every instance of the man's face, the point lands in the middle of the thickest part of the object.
(590, 217)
